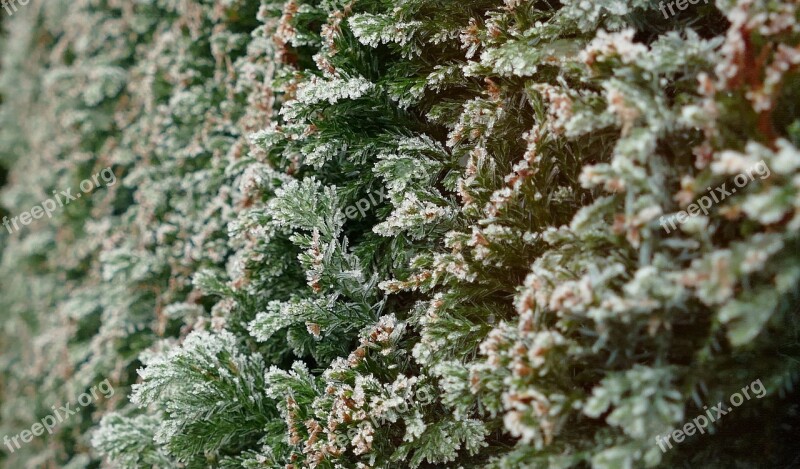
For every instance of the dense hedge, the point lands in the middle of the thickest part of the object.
(401, 233)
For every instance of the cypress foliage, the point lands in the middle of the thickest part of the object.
(401, 233)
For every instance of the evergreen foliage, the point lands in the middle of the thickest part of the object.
(512, 302)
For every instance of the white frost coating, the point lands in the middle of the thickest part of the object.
(372, 30)
(330, 91)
